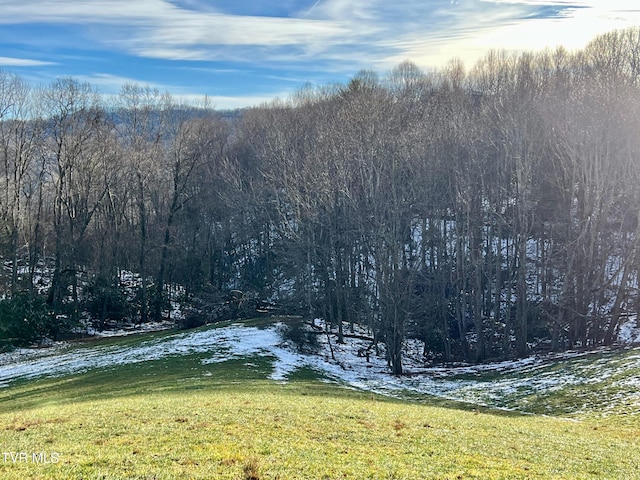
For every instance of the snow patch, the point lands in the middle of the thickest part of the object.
(629, 333)
(510, 385)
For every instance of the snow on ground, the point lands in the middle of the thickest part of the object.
(629, 333)
(511, 385)
(130, 329)
(518, 384)
(68, 359)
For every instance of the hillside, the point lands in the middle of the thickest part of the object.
(238, 402)
(483, 211)
(569, 383)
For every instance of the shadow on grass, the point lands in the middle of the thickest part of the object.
(166, 375)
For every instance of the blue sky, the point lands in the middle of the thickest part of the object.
(244, 52)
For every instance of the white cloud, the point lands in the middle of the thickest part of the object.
(110, 85)
(22, 62)
(516, 25)
(230, 102)
(158, 21)
(581, 22)
(334, 35)
(159, 29)
(352, 10)
(72, 11)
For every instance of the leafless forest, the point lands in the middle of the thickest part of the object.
(486, 211)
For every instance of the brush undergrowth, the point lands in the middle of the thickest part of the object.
(177, 418)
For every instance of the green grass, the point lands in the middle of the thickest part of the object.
(601, 383)
(177, 418)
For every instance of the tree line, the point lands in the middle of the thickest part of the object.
(483, 211)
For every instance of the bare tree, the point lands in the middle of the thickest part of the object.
(141, 130)
(77, 162)
(19, 139)
(195, 143)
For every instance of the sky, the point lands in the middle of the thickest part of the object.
(245, 52)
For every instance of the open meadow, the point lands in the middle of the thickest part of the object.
(203, 404)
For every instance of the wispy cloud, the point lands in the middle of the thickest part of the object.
(160, 23)
(574, 24)
(22, 62)
(229, 102)
(344, 31)
(468, 29)
(110, 85)
(290, 39)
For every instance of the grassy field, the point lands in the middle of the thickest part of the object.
(177, 417)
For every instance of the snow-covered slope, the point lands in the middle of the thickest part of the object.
(594, 382)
